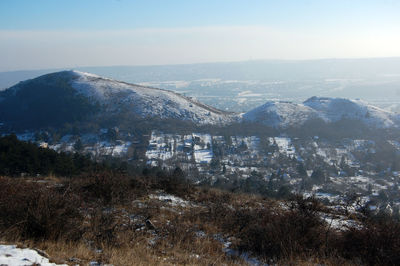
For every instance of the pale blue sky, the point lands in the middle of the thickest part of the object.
(68, 33)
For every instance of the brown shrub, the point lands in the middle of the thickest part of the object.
(174, 183)
(31, 210)
(265, 232)
(375, 242)
(103, 188)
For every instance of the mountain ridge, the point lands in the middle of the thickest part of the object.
(103, 96)
(328, 109)
(69, 96)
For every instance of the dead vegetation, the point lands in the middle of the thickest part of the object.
(160, 219)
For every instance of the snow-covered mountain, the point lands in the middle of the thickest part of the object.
(145, 101)
(334, 109)
(280, 114)
(286, 114)
(63, 98)
(94, 94)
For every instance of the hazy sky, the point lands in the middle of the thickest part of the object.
(69, 33)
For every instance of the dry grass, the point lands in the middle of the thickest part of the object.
(103, 217)
(313, 261)
(200, 252)
(106, 232)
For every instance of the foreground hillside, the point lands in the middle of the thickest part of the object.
(151, 220)
(154, 217)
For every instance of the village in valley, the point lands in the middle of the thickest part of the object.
(354, 172)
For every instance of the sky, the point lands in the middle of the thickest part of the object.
(40, 34)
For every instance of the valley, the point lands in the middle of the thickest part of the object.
(334, 171)
(332, 148)
(339, 156)
(199, 133)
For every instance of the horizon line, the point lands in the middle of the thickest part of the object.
(206, 63)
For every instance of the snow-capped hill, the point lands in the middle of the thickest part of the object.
(145, 101)
(335, 109)
(66, 96)
(287, 114)
(96, 87)
(280, 114)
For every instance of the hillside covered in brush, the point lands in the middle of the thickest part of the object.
(155, 217)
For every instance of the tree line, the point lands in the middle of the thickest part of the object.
(26, 158)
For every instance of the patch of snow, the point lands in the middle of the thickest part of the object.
(203, 148)
(171, 200)
(235, 253)
(11, 255)
(162, 146)
(284, 144)
(339, 222)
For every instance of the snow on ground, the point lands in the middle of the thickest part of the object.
(160, 146)
(284, 114)
(252, 143)
(187, 145)
(165, 146)
(280, 114)
(66, 147)
(11, 255)
(235, 253)
(322, 153)
(284, 144)
(107, 148)
(121, 149)
(338, 222)
(340, 152)
(332, 155)
(334, 109)
(203, 148)
(146, 101)
(395, 144)
(171, 200)
(219, 139)
(328, 196)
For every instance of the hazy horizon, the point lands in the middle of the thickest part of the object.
(45, 34)
(262, 60)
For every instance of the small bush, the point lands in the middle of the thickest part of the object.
(174, 182)
(105, 187)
